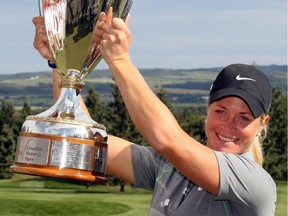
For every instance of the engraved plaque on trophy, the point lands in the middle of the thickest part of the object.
(63, 141)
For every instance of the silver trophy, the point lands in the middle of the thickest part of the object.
(64, 142)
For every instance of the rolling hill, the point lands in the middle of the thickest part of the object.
(182, 86)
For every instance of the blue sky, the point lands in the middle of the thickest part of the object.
(182, 34)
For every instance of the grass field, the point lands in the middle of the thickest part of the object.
(36, 196)
(281, 209)
(71, 202)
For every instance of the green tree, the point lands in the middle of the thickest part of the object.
(26, 110)
(96, 108)
(120, 118)
(20, 117)
(193, 122)
(122, 124)
(7, 138)
(275, 144)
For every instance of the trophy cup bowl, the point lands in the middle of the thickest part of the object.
(63, 141)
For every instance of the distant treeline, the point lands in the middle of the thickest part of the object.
(175, 81)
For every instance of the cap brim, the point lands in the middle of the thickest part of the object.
(249, 99)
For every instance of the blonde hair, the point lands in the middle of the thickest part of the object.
(257, 147)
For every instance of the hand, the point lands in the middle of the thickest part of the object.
(114, 37)
(41, 40)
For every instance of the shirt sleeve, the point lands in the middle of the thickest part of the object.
(144, 162)
(245, 183)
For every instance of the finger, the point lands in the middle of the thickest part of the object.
(118, 24)
(39, 24)
(100, 25)
(40, 29)
(102, 17)
(38, 20)
(40, 34)
(99, 33)
(40, 40)
(127, 20)
(109, 15)
(98, 36)
(100, 28)
(44, 50)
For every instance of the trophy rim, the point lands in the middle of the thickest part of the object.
(66, 121)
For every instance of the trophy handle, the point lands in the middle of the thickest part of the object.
(40, 8)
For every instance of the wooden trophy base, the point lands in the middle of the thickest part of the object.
(56, 172)
(60, 157)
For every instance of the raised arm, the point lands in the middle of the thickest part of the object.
(152, 118)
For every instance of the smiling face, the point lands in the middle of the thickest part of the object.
(231, 127)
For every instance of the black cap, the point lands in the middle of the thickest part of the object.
(245, 82)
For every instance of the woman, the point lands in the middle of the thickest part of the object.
(187, 177)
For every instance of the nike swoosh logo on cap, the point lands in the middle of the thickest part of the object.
(244, 78)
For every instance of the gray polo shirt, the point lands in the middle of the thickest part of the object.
(246, 188)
